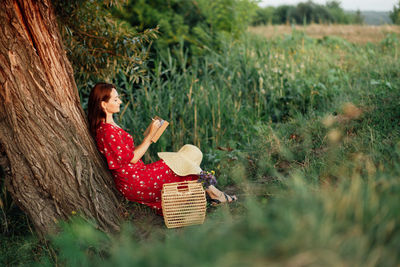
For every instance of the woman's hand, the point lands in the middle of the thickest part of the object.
(142, 148)
(154, 127)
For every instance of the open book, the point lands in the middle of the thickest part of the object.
(163, 125)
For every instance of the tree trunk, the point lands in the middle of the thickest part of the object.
(53, 168)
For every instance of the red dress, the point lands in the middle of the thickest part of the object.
(138, 182)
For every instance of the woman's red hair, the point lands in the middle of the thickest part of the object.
(100, 92)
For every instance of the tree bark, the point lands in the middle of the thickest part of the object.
(53, 168)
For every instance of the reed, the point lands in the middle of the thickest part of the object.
(210, 101)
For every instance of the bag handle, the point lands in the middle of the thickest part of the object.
(183, 188)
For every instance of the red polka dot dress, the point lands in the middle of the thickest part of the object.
(138, 182)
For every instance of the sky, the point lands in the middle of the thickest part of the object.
(363, 5)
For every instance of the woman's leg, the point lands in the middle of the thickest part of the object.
(155, 174)
(218, 196)
(146, 183)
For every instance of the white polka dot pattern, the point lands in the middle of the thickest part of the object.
(138, 182)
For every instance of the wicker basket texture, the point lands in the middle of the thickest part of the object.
(183, 204)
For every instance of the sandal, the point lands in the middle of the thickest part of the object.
(215, 202)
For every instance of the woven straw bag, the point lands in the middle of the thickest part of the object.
(183, 203)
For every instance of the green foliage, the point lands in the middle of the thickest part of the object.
(306, 13)
(196, 24)
(283, 14)
(97, 44)
(213, 101)
(358, 18)
(21, 250)
(395, 14)
(264, 16)
(316, 176)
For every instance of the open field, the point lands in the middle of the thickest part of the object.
(359, 34)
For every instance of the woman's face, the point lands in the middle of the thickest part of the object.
(112, 105)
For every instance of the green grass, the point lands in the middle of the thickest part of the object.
(216, 100)
(306, 132)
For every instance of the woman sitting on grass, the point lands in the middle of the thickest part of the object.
(135, 180)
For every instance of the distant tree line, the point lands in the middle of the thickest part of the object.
(306, 13)
(395, 14)
(197, 26)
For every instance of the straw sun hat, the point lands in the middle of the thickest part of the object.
(184, 162)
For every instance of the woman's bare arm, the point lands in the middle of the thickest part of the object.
(142, 148)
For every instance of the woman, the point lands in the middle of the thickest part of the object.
(137, 181)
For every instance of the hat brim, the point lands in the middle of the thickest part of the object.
(178, 164)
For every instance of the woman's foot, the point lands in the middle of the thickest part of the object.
(224, 199)
(218, 197)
